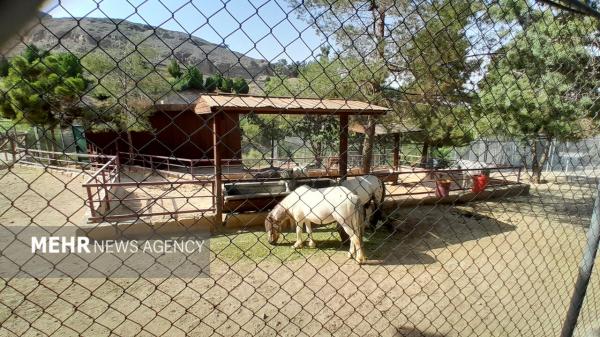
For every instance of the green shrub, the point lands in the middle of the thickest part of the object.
(174, 69)
(195, 80)
(240, 86)
(212, 83)
(226, 85)
(192, 79)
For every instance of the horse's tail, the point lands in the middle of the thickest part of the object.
(382, 184)
(358, 218)
(377, 200)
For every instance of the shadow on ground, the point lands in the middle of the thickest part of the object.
(419, 230)
(413, 332)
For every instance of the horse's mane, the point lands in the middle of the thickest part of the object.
(285, 224)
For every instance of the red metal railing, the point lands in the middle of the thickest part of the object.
(105, 180)
(60, 160)
(104, 172)
(181, 165)
(459, 177)
(99, 185)
(146, 211)
(103, 202)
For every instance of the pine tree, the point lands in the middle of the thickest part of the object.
(43, 92)
(174, 69)
(43, 89)
(543, 87)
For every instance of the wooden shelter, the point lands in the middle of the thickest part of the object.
(399, 131)
(223, 108)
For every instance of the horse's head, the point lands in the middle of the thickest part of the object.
(273, 223)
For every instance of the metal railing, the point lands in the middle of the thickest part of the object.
(460, 178)
(105, 188)
(99, 186)
(109, 214)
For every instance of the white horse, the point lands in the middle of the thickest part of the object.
(371, 192)
(305, 206)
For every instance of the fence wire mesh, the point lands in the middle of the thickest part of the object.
(160, 159)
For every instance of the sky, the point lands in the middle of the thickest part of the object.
(258, 28)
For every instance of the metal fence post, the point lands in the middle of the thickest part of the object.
(585, 271)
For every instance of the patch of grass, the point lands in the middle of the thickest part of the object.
(253, 245)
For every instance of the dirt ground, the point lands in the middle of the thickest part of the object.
(43, 197)
(495, 268)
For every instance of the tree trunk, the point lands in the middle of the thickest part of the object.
(368, 145)
(317, 150)
(378, 12)
(537, 164)
(545, 153)
(361, 143)
(38, 140)
(534, 163)
(524, 156)
(424, 153)
(272, 161)
(53, 146)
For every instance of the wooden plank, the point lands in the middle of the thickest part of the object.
(287, 105)
(206, 103)
(218, 188)
(295, 111)
(343, 161)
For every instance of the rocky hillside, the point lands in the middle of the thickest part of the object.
(158, 45)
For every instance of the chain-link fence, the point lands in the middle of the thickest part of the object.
(161, 159)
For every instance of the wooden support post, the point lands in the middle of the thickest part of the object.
(118, 164)
(13, 147)
(91, 201)
(343, 162)
(218, 189)
(396, 151)
(396, 156)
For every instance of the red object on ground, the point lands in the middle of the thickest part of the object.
(442, 188)
(480, 182)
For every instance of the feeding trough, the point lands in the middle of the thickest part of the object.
(258, 196)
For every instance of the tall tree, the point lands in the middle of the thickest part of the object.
(264, 130)
(174, 69)
(127, 85)
(545, 82)
(318, 79)
(43, 89)
(372, 32)
(435, 95)
(380, 34)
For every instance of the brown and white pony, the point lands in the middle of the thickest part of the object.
(369, 189)
(305, 206)
(371, 192)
